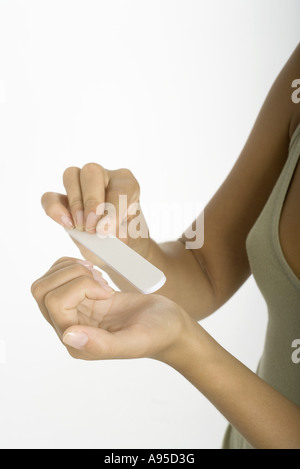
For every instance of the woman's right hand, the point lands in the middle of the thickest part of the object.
(91, 194)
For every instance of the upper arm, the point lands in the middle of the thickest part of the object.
(234, 208)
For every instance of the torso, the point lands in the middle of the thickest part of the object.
(289, 228)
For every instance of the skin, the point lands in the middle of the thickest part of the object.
(96, 323)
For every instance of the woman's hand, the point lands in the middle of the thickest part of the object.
(93, 194)
(95, 322)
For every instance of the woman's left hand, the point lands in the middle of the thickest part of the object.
(95, 322)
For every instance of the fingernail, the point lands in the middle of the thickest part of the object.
(67, 222)
(79, 219)
(91, 221)
(75, 339)
(102, 282)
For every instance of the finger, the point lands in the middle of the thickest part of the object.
(62, 303)
(61, 274)
(56, 207)
(56, 276)
(91, 343)
(71, 180)
(62, 260)
(94, 180)
(122, 190)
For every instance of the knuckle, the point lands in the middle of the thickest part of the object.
(63, 259)
(70, 172)
(75, 203)
(52, 301)
(90, 202)
(91, 167)
(130, 179)
(125, 172)
(81, 271)
(35, 289)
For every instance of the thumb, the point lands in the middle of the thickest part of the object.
(99, 344)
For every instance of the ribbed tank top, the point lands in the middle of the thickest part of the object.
(280, 288)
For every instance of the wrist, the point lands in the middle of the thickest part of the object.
(192, 347)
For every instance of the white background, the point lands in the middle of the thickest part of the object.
(169, 89)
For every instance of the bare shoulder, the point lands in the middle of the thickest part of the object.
(236, 205)
(289, 228)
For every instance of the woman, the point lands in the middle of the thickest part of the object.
(252, 225)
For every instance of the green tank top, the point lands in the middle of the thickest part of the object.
(280, 288)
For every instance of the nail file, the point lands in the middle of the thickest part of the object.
(125, 261)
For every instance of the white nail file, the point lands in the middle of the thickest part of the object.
(125, 261)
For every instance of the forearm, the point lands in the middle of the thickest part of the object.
(187, 282)
(265, 418)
